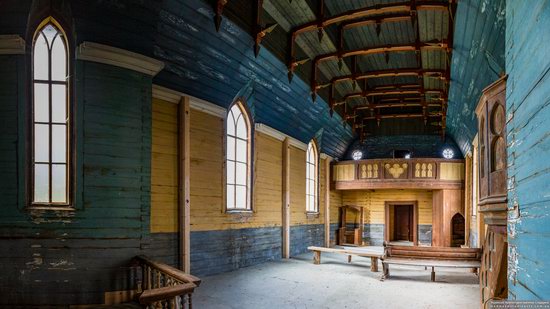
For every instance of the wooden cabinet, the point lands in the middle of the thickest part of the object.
(491, 115)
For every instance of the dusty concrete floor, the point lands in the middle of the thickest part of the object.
(298, 283)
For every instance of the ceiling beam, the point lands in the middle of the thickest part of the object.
(321, 22)
(439, 74)
(368, 51)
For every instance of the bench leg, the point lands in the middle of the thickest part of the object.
(433, 274)
(349, 258)
(317, 257)
(385, 271)
(374, 264)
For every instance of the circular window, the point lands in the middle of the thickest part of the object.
(448, 153)
(357, 155)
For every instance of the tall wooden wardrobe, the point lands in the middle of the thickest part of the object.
(491, 115)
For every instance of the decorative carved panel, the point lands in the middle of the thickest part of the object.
(396, 170)
(368, 171)
(424, 170)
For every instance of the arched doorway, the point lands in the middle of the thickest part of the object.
(458, 230)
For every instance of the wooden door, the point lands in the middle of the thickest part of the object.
(403, 220)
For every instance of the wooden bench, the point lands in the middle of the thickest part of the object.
(430, 257)
(374, 256)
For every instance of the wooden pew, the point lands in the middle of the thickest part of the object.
(430, 257)
(374, 256)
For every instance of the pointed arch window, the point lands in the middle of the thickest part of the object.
(50, 116)
(311, 177)
(238, 158)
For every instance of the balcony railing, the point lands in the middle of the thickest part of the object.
(421, 173)
(163, 286)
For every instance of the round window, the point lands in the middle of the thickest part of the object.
(448, 153)
(357, 155)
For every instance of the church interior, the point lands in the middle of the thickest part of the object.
(274, 154)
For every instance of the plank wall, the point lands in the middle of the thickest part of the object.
(222, 241)
(74, 257)
(528, 139)
(374, 203)
(164, 167)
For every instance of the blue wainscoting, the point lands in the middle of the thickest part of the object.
(303, 236)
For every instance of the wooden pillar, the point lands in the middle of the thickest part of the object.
(327, 202)
(468, 169)
(184, 206)
(286, 199)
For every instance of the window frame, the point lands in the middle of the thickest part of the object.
(32, 36)
(245, 114)
(315, 166)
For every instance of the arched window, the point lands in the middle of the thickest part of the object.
(50, 116)
(311, 178)
(238, 159)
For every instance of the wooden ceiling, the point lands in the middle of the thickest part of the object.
(371, 60)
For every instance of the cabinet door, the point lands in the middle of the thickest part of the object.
(496, 142)
(483, 151)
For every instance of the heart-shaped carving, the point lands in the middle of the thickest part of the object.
(396, 170)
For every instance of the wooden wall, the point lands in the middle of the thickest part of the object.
(528, 140)
(164, 167)
(74, 257)
(374, 203)
(223, 241)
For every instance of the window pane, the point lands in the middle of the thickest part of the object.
(59, 183)
(307, 187)
(41, 183)
(59, 103)
(241, 128)
(59, 60)
(41, 106)
(50, 32)
(240, 196)
(236, 111)
(241, 151)
(230, 123)
(41, 143)
(230, 172)
(59, 143)
(40, 62)
(311, 187)
(241, 174)
(230, 196)
(230, 148)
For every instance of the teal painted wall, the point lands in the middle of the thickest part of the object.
(528, 137)
(57, 258)
(478, 58)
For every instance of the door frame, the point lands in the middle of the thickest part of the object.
(388, 206)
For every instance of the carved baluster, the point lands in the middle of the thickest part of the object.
(148, 277)
(158, 279)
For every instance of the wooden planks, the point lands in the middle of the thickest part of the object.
(184, 196)
(326, 202)
(286, 199)
(164, 167)
(374, 202)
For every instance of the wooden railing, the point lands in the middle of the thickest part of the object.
(163, 286)
(419, 173)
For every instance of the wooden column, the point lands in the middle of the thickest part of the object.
(468, 185)
(184, 207)
(286, 199)
(327, 202)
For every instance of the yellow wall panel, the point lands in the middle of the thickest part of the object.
(207, 177)
(452, 171)
(164, 167)
(374, 202)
